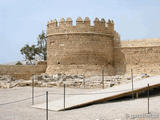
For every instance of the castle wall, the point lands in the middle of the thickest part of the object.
(77, 49)
(141, 42)
(82, 46)
(140, 59)
(22, 71)
(86, 49)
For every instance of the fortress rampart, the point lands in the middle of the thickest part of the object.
(73, 49)
(22, 71)
(85, 49)
(143, 56)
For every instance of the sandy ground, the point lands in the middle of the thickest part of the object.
(113, 110)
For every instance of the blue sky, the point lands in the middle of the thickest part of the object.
(22, 20)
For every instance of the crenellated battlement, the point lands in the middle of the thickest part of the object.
(82, 26)
(83, 44)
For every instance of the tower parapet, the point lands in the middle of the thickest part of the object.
(66, 26)
(68, 22)
(110, 26)
(79, 22)
(62, 22)
(52, 24)
(87, 21)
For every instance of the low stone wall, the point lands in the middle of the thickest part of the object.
(22, 71)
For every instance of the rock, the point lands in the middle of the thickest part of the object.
(2, 78)
(144, 75)
(47, 80)
(46, 76)
(38, 84)
(7, 78)
(55, 77)
(118, 82)
(5, 85)
(141, 76)
(111, 84)
(117, 77)
(14, 84)
(128, 78)
(51, 84)
(36, 77)
(44, 85)
(58, 80)
(2, 85)
(23, 83)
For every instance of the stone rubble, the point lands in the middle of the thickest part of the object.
(58, 80)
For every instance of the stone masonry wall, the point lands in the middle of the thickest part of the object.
(22, 71)
(142, 59)
(82, 46)
(83, 49)
(141, 42)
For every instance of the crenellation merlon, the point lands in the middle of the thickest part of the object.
(69, 22)
(66, 26)
(99, 23)
(87, 21)
(62, 22)
(110, 25)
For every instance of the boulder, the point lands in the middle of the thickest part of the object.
(51, 84)
(23, 83)
(5, 85)
(111, 84)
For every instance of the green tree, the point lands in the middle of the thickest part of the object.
(29, 52)
(36, 51)
(42, 45)
(19, 63)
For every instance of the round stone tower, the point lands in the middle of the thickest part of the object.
(80, 49)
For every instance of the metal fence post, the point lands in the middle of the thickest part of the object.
(33, 90)
(132, 83)
(103, 78)
(84, 83)
(46, 105)
(148, 98)
(64, 96)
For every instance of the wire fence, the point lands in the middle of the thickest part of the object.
(21, 100)
(72, 94)
(56, 93)
(101, 80)
(50, 93)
